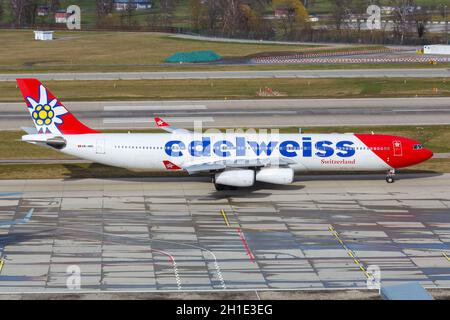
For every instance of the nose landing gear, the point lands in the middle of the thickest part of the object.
(390, 178)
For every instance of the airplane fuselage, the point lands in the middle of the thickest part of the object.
(304, 152)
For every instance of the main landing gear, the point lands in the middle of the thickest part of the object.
(390, 178)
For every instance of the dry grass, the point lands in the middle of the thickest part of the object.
(96, 49)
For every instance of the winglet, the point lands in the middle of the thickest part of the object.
(171, 166)
(161, 123)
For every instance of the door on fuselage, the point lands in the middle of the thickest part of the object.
(100, 147)
(398, 150)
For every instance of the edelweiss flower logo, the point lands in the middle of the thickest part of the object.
(46, 114)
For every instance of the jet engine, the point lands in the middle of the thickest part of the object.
(275, 175)
(235, 178)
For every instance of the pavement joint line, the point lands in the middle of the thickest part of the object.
(225, 217)
(350, 252)
(446, 256)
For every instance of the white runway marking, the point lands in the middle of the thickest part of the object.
(419, 110)
(155, 108)
(271, 112)
(150, 120)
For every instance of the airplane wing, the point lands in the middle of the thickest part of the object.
(219, 165)
(160, 123)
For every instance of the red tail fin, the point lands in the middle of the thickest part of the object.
(48, 113)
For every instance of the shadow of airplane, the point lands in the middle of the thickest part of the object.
(253, 192)
(99, 171)
(18, 221)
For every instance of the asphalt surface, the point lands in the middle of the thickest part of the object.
(247, 113)
(244, 295)
(168, 234)
(339, 73)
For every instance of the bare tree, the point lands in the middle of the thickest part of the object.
(1, 11)
(403, 17)
(215, 11)
(24, 12)
(54, 5)
(420, 18)
(341, 12)
(231, 16)
(130, 9)
(167, 7)
(195, 8)
(104, 7)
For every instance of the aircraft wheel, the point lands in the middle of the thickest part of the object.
(390, 179)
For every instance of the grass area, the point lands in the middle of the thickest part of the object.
(236, 88)
(437, 138)
(433, 165)
(210, 67)
(77, 50)
(12, 148)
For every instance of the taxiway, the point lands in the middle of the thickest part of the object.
(246, 113)
(170, 234)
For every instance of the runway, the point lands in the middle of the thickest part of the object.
(247, 113)
(169, 234)
(338, 73)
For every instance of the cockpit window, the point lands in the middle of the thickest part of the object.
(417, 147)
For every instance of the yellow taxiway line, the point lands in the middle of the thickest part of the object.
(349, 252)
(446, 256)
(225, 218)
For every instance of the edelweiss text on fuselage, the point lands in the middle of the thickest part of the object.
(240, 146)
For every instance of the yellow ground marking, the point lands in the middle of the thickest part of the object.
(225, 218)
(350, 252)
(446, 256)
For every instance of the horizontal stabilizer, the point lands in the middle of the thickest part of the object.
(30, 130)
(161, 124)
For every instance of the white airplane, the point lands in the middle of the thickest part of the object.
(232, 159)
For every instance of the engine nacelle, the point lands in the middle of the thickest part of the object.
(275, 175)
(235, 178)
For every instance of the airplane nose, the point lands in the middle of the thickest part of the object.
(427, 154)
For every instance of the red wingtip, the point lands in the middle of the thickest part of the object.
(171, 166)
(161, 123)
